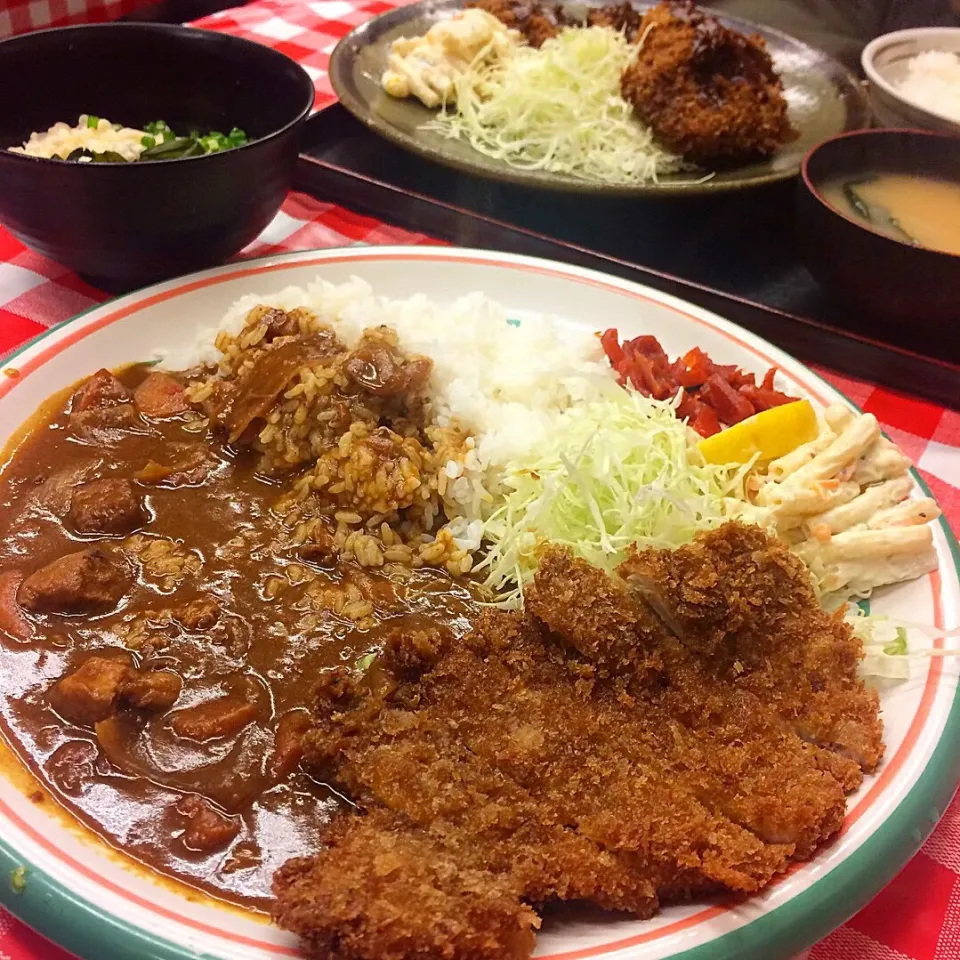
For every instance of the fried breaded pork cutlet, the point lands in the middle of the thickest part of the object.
(538, 22)
(740, 752)
(708, 93)
(746, 602)
(579, 750)
(535, 22)
(391, 891)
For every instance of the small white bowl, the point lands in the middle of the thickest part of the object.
(884, 62)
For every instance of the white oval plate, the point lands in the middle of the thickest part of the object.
(85, 898)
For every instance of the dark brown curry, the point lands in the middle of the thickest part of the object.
(161, 633)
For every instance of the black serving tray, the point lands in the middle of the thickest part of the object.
(734, 254)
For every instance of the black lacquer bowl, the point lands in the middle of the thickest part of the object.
(887, 281)
(123, 225)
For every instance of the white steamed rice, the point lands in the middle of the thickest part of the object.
(933, 82)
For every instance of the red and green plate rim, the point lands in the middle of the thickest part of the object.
(80, 926)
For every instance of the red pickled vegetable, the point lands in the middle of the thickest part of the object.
(731, 406)
(611, 347)
(643, 377)
(689, 406)
(711, 395)
(649, 347)
(706, 422)
(697, 366)
(763, 399)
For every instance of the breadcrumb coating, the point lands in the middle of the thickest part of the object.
(707, 92)
(596, 747)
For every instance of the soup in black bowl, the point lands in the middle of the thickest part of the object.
(879, 225)
(122, 225)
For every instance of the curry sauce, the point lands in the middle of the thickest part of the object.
(164, 707)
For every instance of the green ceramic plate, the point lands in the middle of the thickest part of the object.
(824, 100)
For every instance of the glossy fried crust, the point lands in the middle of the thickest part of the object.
(539, 23)
(578, 751)
(744, 600)
(382, 888)
(708, 93)
(740, 756)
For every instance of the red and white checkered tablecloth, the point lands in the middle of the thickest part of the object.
(25, 16)
(917, 917)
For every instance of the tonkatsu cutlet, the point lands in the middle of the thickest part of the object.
(707, 92)
(738, 755)
(744, 601)
(576, 750)
(516, 701)
(425, 797)
(383, 888)
(465, 802)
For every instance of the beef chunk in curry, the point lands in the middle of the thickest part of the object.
(101, 405)
(97, 689)
(88, 581)
(378, 367)
(108, 506)
(205, 828)
(160, 396)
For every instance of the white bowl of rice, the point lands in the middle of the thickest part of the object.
(914, 78)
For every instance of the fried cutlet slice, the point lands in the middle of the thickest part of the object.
(746, 760)
(623, 17)
(536, 22)
(733, 753)
(744, 601)
(414, 764)
(518, 703)
(384, 889)
(707, 92)
(593, 613)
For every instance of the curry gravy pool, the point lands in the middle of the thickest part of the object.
(221, 635)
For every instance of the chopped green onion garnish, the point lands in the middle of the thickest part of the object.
(159, 141)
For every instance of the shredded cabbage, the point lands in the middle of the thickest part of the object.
(886, 654)
(557, 108)
(621, 471)
(888, 650)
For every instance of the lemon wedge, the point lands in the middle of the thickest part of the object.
(769, 434)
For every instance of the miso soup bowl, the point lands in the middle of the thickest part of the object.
(884, 280)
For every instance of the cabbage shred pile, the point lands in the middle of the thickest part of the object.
(559, 109)
(621, 472)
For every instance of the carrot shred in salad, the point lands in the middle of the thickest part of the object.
(713, 395)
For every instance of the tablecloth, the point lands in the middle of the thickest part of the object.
(24, 16)
(917, 917)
